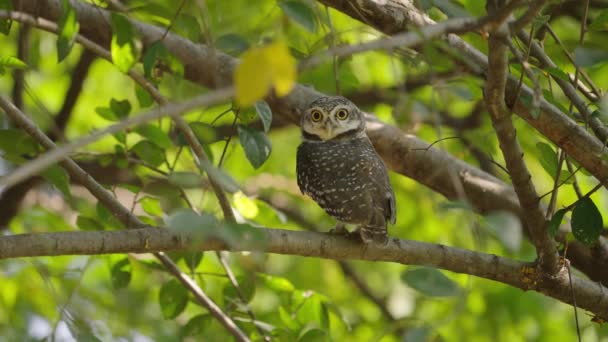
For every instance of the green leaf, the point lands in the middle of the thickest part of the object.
(600, 23)
(15, 142)
(121, 108)
(313, 335)
(154, 134)
(5, 24)
(277, 284)
(154, 52)
(205, 133)
(558, 73)
(256, 145)
(507, 228)
(300, 13)
(430, 282)
(124, 51)
(265, 114)
(107, 217)
(529, 103)
(57, 176)
(88, 223)
(556, 221)
(149, 152)
(246, 286)
(548, 158)
(172, 298)
(185, 180)
(121, 273)
(106, 113)
(225, 180)
(587, 223)
(539, 21)
(12, 62)
(196, 327)
(143, 97)
(151, 206)
(186, 25)
(232, 44)
(417, 334)
(586, 57)
(68, 29)
(287, 319)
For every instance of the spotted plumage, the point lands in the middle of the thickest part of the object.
(338, 167)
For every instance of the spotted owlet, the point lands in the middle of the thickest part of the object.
(338, 167)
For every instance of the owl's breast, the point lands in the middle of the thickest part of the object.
(342, 177)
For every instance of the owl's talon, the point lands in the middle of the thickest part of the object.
(340, 229)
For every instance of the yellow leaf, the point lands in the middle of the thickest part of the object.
(262, 68)
(283, 67)
(246, 206)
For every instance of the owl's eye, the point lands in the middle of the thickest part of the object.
(316, 116)
(342, 114)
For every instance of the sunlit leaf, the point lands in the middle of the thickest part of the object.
(587, 223)
(151, 206)
(68, 27)
(262, 68)
(173, 298)
(204, 132)
(143, 97)
(276, 283)
(430, 282)
(246, 206)
(256, 145)
(300, 13)
(123, 48)
(12, 63)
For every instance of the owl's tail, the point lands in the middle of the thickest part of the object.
(375, 234)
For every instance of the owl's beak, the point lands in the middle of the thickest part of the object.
(328, 128)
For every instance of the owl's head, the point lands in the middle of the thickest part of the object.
(331, 117)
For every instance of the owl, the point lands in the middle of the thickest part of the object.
(338, 167)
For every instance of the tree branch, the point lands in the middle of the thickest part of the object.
(123, 214)
(590, 296)
(512, 152)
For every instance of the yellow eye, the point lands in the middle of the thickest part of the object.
(342, 114)
(316, 116)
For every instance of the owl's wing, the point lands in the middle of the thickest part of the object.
(376, 173)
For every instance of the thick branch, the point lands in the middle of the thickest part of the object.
(590, 296)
